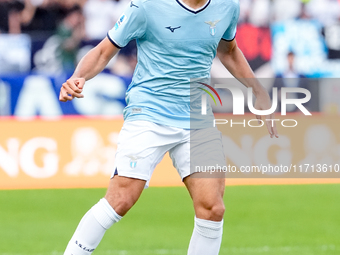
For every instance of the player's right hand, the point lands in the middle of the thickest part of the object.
(71, 88)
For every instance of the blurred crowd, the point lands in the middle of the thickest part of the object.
(265, 12)
(72, 22)
(98, 16)
(65, 25)
(32, 16)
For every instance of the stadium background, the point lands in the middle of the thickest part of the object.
(45, 144)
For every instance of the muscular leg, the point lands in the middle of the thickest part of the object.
(207, 196)
(121, 195)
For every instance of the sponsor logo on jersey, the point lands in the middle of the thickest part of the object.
(212, 25)
(120, 21)
(172, 29)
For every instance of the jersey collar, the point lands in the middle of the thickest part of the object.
(188, 8)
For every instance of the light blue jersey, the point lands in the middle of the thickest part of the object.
(175, 44)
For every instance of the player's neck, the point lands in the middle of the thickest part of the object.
(195, 4)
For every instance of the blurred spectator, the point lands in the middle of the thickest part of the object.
(332, 39)
(290, 78)
(59, 52)
(286, 9)
(291, 71)
(70, 33)
(69, 3)
(259, 14)
(329, 15)
(245, 6)
(42, 16)
(325, 11)
(10, 16)
(100, 16)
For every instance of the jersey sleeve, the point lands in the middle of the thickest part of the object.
(230, 33)
(131, 25)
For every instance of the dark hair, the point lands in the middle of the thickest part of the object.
(291, 53)
(16, 5)
(74, 8)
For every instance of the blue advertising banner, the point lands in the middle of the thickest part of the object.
(37, 95)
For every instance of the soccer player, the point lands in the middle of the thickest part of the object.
(177, 41)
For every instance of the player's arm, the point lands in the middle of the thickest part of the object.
(233, 59)
(89, 66)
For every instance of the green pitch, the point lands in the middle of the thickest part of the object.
(294, 220)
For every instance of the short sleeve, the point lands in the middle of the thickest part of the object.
(230, 33)
(131, 25)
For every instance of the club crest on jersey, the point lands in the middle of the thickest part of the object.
(120, 21)
(212, 27)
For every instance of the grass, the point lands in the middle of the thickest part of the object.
(294, 219)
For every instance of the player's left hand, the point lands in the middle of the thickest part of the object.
(264, 103)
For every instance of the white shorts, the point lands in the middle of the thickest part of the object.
(143, 144)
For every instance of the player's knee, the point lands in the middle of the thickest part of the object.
(124, 206)
(211, 210)
(217, 212)
(120, 203)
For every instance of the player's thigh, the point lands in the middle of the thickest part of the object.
(123, 193)
(202, 151)
(141, 146)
